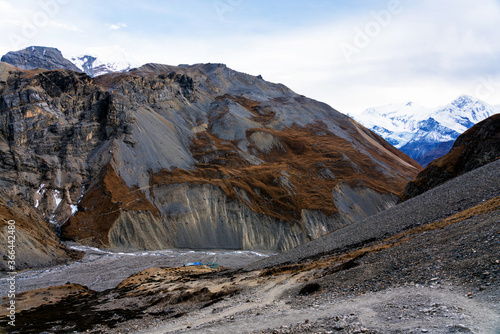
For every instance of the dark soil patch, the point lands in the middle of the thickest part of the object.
(309, 289)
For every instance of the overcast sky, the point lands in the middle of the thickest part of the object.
(352, 54)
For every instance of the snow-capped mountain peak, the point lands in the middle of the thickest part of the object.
(464, 100)
(416, 130)
(102, 60)
(399, 119)
(463, 113)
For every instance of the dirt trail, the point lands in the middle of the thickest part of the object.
(268, 295)
(406, 309)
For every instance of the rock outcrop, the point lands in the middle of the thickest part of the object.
(35, 243)
(39, 57)
(476, 147)
(191, 156)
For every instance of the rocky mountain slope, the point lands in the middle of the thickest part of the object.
(428, 265)
(455, 196)
(193, 156)
(425, 133)
(36, 242)
(476, 147)
(39, 57)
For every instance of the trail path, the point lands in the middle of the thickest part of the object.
(433, 310)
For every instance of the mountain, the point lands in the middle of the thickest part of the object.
(194, 156)
(103, 60)
(476, 147)
(435, 152)
(427, 265)
(425, 133)
(202, 156)
(93, 61)
(39, 57)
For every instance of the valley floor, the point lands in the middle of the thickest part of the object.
(100, 270)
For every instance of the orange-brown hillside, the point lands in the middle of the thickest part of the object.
(102, 205)
(298, 174)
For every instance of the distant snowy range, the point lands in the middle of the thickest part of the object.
(425, 133)
(103, 60)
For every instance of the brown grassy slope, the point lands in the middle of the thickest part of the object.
(101, 206)
(304, 158)
(36, 244)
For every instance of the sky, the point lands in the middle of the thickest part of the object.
(351, 54)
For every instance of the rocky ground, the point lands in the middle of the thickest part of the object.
(434, 274)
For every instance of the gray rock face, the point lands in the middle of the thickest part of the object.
(47, 134)
(39, 57)
(194, 156)
(203, 217)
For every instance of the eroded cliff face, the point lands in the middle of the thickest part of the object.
(192, 156)
(203, 216)
(50, 123)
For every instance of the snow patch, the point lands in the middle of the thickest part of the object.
(39, 191)
(57, 197)
(164, 252)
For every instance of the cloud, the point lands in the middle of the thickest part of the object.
(430, 52)
(64, 26)
(4, 6)
(116, 26)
